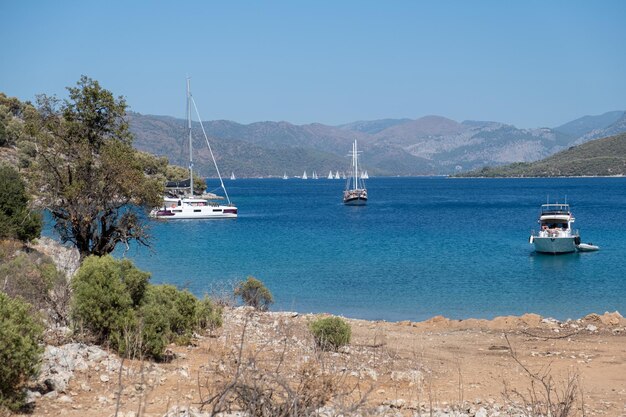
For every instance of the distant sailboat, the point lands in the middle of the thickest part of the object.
(304, 177)
(232, 176)
(364, 176)
(285, 177)
(355, 193)
(315, 175)
(337, 177)
(330, 175)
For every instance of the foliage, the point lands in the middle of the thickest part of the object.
(330, 333)
(208, 314)
(115, 302)
(34, 277)
(105, 291)
(254, 293)
(16, 219)
(20, 351)
(89, 176)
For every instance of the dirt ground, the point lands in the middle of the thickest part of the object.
(409, 367)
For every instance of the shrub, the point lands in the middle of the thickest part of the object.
(253, 293)
(330, 333)
(16, 220)
(20, 351)
(208, 314)
(105, 292)
(179, 307)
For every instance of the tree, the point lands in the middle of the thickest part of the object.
(17, 221)
(254, 293)
(87, 173)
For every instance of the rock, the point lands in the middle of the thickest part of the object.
(66, 399)
(51, 395)
(481, 412)
(412, 377)
(591, 328)
(32, 396)
(611, 319)
(85, 387)
(104, 378)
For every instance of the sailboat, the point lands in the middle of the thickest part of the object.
(179, 205)
(232, 176)
(337, 177)
(355, 193)
(330, 175)
(304, 177)
(285, 177)
(364, 176)
(315, 175)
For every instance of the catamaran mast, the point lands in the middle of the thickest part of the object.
(190, 137)
(356, 166)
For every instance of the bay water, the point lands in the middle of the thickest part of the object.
(420, 247)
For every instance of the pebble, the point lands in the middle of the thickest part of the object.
(104, 378)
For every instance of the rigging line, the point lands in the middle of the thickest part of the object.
(206, 138)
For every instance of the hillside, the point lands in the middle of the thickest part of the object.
(600, 157)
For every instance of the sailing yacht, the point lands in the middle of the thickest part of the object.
(337, 177)
(315, 175)
(232, 176)
(188, 206)
(364, 176)
(355, 193)
(285, 177)
(304, 177)
(330, 175)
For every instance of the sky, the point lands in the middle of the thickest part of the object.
(528, 63)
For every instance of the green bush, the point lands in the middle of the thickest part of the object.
(330, 333)
(115, 302)
(253, 293)
(20, 350)
(17, 221)
(208, 314)
(105, 294)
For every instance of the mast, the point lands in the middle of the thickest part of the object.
(356, 167)
(190, 137)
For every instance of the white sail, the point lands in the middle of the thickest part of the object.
(285, 177)
(304, 177)
(179, 206)
(337, 177)
(232, 176)
(330, 175)
(355, 193)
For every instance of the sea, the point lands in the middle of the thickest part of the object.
(421, 247)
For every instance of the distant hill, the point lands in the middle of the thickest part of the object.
(586, 124)
(425, 146)
(600, 157)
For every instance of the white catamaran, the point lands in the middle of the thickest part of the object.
(355, 193)
(181, 205)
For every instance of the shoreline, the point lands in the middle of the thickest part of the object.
(401, 369)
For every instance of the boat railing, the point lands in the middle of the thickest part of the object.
(555, 209)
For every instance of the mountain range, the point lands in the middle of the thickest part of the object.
(430, 145)
(598, 157)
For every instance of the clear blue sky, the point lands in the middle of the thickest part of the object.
(529, 63)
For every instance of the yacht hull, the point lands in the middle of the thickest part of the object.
(219, 212)
(554, 245)
(355, 201)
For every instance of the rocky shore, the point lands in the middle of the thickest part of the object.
(438, 367)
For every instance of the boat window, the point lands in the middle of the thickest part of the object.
(177, 211)
(197, 210)
(217, 210)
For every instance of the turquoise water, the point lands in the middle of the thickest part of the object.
(421, 247)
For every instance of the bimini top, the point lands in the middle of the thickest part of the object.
(547, 209)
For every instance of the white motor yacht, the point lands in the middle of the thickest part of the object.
(555, 235)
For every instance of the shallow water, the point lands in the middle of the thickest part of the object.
(421, 247)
